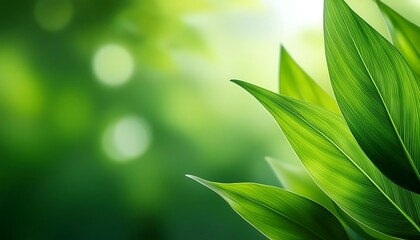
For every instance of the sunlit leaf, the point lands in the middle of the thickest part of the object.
(406, 36)
(335, 161)
(295, 178)
(277, 213)
(377, 93)
(296, 83)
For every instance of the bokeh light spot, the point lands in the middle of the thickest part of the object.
(126, 139)
(53, 15)
(113, 65)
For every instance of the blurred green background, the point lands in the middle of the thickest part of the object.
(106, 105)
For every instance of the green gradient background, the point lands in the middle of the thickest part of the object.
(57, 180)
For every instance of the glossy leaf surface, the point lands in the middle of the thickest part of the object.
(296, 83)
(277, 213)
(406, 36)
(335, 161)
(377, 93)
(295, 178)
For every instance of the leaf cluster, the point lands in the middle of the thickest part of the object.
(359, 150)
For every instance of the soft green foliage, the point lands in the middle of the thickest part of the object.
(296, 83)
(277, 213)
(328, 151)
(377, 93)
(361, 165)
(295, 178)
(406, 36)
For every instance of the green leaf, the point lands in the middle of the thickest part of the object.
(278, 214)
(406, 36)
(296, 83)
(377, 93)
(361, 231)
(340, 168)
(295, 178)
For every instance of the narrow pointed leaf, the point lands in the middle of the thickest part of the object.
(277, 213)
(359, 231)
(296, 83)
(340, 168)
(406, 36)
(296, 179)
(377, 93)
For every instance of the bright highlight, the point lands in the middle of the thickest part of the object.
(113, 65)
(126, 139)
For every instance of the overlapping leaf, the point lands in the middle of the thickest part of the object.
(377, 93)
(331, 155)
(277, 213)
(406, 36)
(296, 179)
(296, 83)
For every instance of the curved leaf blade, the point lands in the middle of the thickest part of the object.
(277, 213)
(377, 93)
(335, 161)
(296, 179)
(406, 36)
(296, 83)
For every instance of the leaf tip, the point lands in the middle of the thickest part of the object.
(200, 180)
(189, 176)
(236, 81)
(194, 177)
(245, 85)
(269, 160)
